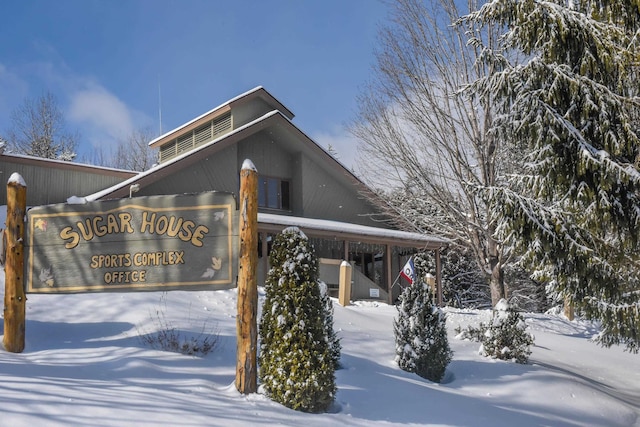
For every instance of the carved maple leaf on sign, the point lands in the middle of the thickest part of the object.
(216, 264)
(46, 277)
(41, 224)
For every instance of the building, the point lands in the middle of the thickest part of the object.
(53, 181)
(300, 184)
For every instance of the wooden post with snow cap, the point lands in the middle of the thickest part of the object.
(246, 322)
(15, 300)
(344, 285)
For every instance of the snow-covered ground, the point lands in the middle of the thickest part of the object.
(84, 365)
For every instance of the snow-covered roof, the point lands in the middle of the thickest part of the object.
(155, 169)
(66, 164)
(213, 110)
(345, 229)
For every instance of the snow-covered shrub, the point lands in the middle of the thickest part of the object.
(420, 333)
(297, 359)
(471, 333)
(334, 342)
(505, 337)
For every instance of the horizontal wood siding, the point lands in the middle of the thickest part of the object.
(191, 138)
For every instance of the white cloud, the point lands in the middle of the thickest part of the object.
(98, 116)
(104, 118)
(13, 89)
(343, 143)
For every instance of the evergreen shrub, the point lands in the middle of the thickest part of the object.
(420, 334)
(298, 355)
(505, 337)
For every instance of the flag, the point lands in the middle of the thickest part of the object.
(408, 271)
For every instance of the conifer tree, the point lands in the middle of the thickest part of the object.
(335, 347)
(572, 103)
(420, 331)
(506, 337)
(296, 363)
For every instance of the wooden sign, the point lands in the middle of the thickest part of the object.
(182, 242)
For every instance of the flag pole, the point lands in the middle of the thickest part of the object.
(395, 281)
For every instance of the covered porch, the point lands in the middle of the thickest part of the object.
(375, 254)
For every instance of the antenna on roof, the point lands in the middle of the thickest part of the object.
(159, 104)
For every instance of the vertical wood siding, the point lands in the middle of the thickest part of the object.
(47, 185)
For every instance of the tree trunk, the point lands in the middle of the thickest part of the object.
(496, 281)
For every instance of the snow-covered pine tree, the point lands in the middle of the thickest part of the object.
(571, 102)
(505, 337)
(296, 362)
(420, 333)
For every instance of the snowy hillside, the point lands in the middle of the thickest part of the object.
(84, 365)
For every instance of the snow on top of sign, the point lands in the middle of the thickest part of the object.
(248, 165)
(16, 178)
(75, 200)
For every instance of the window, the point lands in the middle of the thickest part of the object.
(273, 193)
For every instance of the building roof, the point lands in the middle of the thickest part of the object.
(61, 164)
(274, 119)
(280, 125)
(352, 232)
(257, 92)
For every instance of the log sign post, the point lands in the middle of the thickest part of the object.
(14, 296)
(246, 324)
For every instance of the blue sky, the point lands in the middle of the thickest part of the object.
(105, 61)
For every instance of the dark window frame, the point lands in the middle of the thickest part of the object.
(274, 193)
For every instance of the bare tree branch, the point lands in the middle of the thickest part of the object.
(420, 132)
(38, 129)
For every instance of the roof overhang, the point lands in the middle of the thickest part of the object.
(273, 120)
(63, 165)
(258, 92)
(350, 232)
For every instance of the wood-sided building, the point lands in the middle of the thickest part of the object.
(54, 181)
(299, 184)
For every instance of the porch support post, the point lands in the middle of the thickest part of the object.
(346, 250)
(389, 271)
(438, 277)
